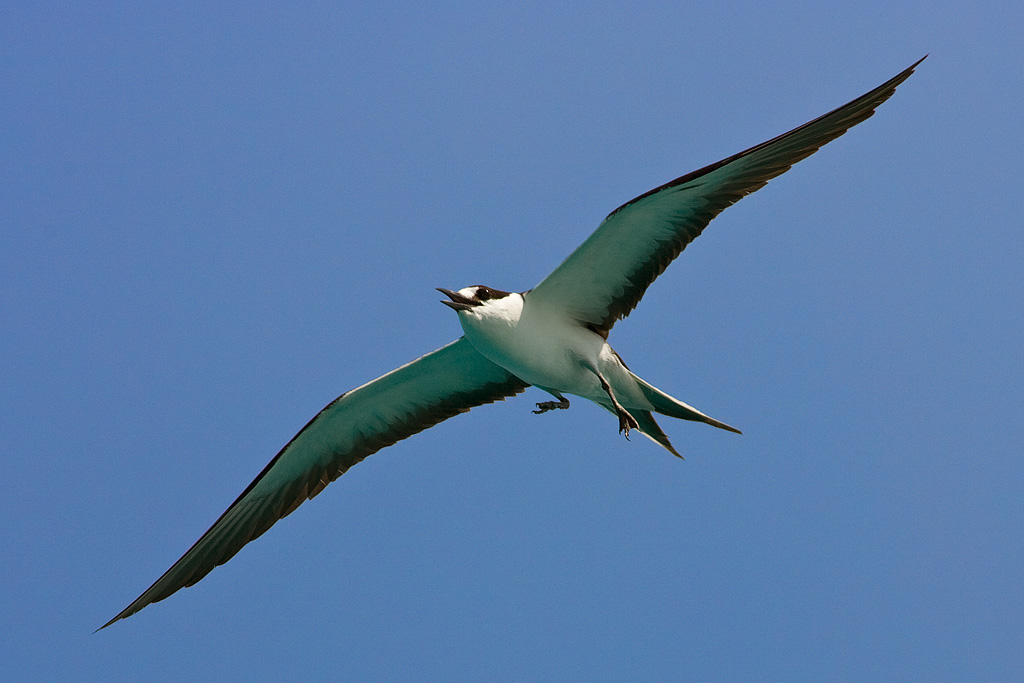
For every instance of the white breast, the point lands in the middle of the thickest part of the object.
(536, 345)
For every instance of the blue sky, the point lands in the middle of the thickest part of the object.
(217, 217)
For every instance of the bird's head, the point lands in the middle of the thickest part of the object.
(470, 298)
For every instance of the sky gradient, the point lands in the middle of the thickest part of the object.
(218, 217)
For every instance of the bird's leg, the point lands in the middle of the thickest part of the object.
(626, 421)
(544, 406)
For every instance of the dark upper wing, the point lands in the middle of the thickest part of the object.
(441, 384)
(604, 279)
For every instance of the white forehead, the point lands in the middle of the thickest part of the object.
(469, 291)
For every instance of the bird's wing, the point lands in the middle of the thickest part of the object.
(441, 384)
(604, 279)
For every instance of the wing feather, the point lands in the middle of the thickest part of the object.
(440, 385)
(604, 279)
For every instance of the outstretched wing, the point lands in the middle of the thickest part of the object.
(441, 384)
(604, 279)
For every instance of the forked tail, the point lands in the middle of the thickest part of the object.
(666, 405)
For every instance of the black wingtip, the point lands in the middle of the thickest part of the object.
(905, 74)
(119, 617)
(916, 64)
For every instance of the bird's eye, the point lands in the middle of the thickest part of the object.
(483, 293)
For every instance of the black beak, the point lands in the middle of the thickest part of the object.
(458, 302)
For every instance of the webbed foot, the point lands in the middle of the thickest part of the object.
(545, 406)
(627, 422)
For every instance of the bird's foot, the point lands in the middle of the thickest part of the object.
(545, 406)
(627, 422)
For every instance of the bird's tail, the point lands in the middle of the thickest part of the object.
(672, 407)
(647, 426)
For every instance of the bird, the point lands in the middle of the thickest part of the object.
(553, 337)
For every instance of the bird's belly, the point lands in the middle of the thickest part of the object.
(551, 358)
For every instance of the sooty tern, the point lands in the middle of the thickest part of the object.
(553, 337)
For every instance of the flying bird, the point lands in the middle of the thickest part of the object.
(554, 337)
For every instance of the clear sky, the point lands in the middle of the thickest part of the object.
(216, 217)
